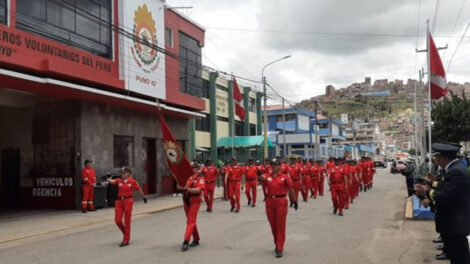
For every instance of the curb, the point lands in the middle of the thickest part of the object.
(152, 211)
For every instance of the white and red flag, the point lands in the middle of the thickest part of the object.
(437, 74)
(238, 101)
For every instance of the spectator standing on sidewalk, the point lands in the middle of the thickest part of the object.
(88, 187)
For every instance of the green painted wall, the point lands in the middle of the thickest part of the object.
(259, 128)
(213, 113)
(192, 139)
(246, 103)
(231, 121)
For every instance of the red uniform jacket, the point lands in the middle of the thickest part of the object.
(294, 173)
(88, 176)
(279, 185)
(210, 174)
(126, 187)
(251, 172)
(235, 173)
(337, 175)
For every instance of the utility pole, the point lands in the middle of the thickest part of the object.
(317, 141)
(265, 117)
(284, 152)
(429, 88)
(330, 147)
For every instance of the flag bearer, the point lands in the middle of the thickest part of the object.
(210, 173)
(192, 200)
(124, 202)
(279, 184)
(89, 183)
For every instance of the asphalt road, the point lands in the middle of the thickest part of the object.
(373, 230)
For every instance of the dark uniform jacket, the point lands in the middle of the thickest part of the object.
(452, 201)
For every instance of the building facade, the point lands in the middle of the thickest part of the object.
(80, 80)
(302, 133)
(220, 121)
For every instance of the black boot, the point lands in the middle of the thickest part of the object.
(185, 246)
(335, 211)
(279, 254)
(195, 243)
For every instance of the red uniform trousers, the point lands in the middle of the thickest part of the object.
(276, 210)
(337, 195)
(297, 189)
(307, 186)
(316, 185)
(366, 179)
(264, 187)
(209, 194)
(191, 211)
(346, 195)
(225, 190)
(123, 207)
(321, 186)
(234, 194)
(250, 190)
(88, 196)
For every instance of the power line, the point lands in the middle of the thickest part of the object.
(325, 33)
(436, 13)
(458, 45)
(455, 24)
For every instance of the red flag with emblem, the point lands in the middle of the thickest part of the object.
(176, 159)
(438, 74)
(238, 101)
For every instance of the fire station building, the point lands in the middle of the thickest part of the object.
(79, 79)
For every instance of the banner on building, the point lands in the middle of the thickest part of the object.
(141, 25)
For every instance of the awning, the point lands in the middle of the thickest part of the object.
(242, 142)
(200, 149)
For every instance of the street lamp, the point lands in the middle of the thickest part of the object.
(263, 78)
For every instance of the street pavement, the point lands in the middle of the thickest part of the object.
(373, 230)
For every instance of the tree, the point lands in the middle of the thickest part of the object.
(451, 118)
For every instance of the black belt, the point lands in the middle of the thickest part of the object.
(251, 179)
(295, 180)
(336, 182)
(276, 196)
(210, 182)
(234, 181)
(124, 197)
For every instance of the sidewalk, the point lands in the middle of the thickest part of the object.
(35, 224)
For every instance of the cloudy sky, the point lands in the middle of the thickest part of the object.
(334, 42)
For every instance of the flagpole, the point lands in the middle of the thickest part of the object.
(232, 128)
(429, 95)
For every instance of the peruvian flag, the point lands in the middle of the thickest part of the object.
(178, 163)
(437, 75)
(238, 101)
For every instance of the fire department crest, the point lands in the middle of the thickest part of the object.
(173, 153)
(145, 40)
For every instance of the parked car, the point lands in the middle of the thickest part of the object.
(379, 161)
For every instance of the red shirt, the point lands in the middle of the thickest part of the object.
(251, 172)
(294, 173)
(195, 181)
(285, 168)
(279, 185)
(315, 171)
(235, 173)
(337, 175)
(305, 171)
(125, 188)
(210, 173)
(88, 176)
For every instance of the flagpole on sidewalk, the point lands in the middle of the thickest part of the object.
(429, 94)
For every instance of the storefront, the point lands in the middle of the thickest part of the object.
(68, 94)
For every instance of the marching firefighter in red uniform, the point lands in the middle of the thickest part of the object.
(210, 173)
(192, 200)
(337, 181)
(354, 186)
(315, 171)
(365, 173)
(278, 186)
(295, 175)
(306, 181)
(321, 183)
(223, 171)
(251, 182)
(234, 177)
(372, 172)
(89, 182)
(124, 202)
(265, 169)
(347, 184)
